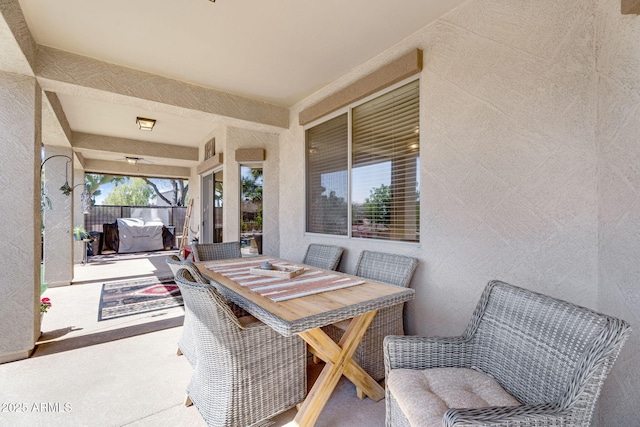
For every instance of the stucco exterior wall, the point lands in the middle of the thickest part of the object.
(194, 193)
(78, 217)
(196, 187)
(58, 220)
(20, 124)
(511, 146)
(508, 161)
(228, 139)
(618, 55)
(243, 139)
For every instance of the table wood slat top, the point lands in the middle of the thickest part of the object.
(299, 314)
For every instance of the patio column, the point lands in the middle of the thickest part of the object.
(20, 136)
(78, 217)
(58, 220)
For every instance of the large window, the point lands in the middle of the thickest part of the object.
(363, 169)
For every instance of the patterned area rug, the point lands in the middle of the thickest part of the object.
(121, 299)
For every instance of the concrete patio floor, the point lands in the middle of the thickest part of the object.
(124, 371)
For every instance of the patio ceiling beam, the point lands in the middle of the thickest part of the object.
(68, 73)
(123, 168)
(55, 126)
(86, 142)
(17, 47)
(80, 159)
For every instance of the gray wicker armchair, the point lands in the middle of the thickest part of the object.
(386, 268)
(245, 371)
(214, 251)
(323, 256)
(544, 359)
(186, 343)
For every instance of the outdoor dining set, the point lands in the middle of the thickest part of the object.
(252, 324)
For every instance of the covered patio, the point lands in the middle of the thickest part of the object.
(125, 371)
(525, 156)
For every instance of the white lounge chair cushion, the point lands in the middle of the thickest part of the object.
(425, 395)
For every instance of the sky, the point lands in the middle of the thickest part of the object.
(163, 184)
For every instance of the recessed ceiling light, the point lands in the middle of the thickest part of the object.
(145, 124)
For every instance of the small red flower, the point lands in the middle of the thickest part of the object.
(45, 304)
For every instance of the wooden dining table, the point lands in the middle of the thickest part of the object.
(304, 315)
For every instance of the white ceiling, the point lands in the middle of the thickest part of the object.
(276, 51)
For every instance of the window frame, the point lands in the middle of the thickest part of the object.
(348, 109)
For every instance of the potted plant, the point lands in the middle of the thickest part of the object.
(79, 234)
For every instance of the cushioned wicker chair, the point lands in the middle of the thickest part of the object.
(214, 251)
(186, 343)
(387, 268)
(323, 256)
(245, 371)
(544, 361)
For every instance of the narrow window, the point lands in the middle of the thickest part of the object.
(251, 198)
(327, 177)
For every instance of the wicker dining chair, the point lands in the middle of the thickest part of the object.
(387, 268)
(186, 343)
(323, 256)
(175, 263)
(215, 251)
(543, 362)
(245, 371)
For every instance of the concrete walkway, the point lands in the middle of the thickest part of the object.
(123, 372)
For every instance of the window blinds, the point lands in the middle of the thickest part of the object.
(327, 180)
(386, 165)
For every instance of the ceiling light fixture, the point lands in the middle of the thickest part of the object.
(132, 160)
(145, 124)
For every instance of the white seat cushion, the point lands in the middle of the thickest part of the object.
(425, 395)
